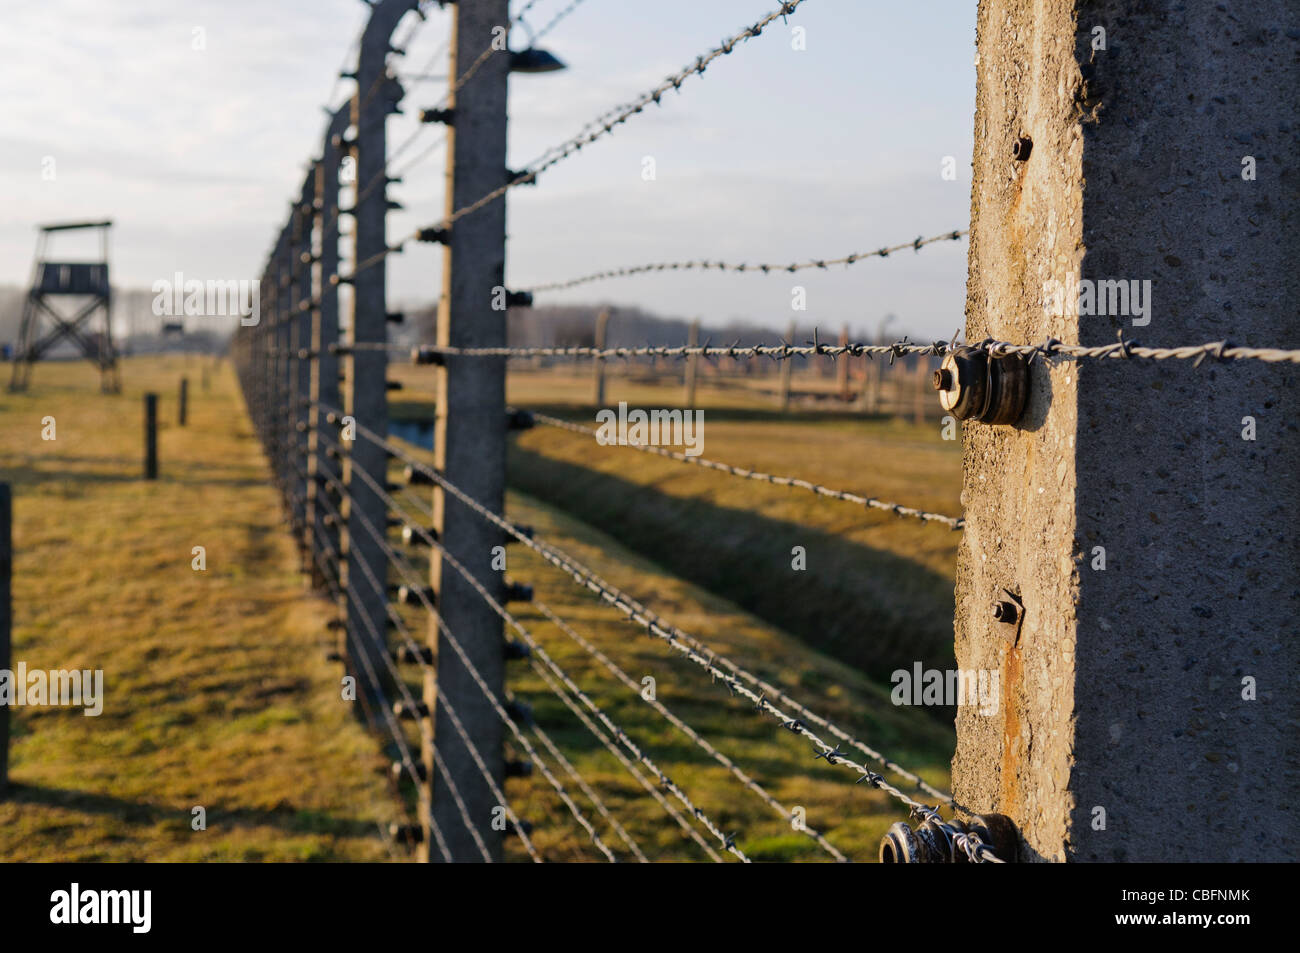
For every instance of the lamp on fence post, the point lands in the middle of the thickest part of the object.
(531, 59)
(470, 433)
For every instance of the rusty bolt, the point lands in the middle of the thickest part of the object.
(1021, 148)
(1005, 611)
(943, 379)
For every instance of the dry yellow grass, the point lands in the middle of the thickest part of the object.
(878, 590)
(220, 697)
(217, 693)
(677, 536)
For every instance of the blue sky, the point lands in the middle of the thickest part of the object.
(774, 154)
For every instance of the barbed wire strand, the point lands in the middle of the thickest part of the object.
(741, 268)
(554, 21)
(451, 784)
(843, 495)
(582, 784)
(684, 728)
(381, 590)
(1122, 349)
(641, 779)
(632, 769)
(398, 560)
(456, 87)
(673, 81)
(724, 839)
(462, 809)
(540, 652)
(320, 554)
(642, 616)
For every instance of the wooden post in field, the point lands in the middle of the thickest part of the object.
(787, 368)
(602, 332)
(470, 439)
(692, 363)
(151, 436)
(182, 402)
(6, 620)
(1143, 511)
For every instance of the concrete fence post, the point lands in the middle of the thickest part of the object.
(280, 410)
(1134, 171)
(325, 469)
(6, 620)
(300, 294)
(470, 432)
(365, 363)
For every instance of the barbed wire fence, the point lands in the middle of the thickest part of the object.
(316, 386)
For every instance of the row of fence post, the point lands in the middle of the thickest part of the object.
(292, 377)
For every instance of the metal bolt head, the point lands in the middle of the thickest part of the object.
(1005, 611)
(943, 379)
(1021, 148)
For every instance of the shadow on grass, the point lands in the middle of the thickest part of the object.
(39, 471)
(869, 608)
(284, 816)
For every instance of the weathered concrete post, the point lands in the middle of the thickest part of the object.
(6, 620)
(602, 334)
(325, 469)
(1142, 511)
(281, 410)
(301, 317)
(366, 370)
(470, 436)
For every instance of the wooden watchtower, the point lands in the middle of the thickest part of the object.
(86, 281)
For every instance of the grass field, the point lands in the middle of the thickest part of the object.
(216, 692)
(219, 694)
(878, 590)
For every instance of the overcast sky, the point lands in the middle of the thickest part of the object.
(775, 154)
